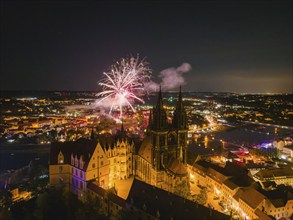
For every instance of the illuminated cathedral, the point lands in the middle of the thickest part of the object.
(161, 159)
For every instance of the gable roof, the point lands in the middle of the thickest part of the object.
(280, 196)
(252, 197)
(272, 173)
(93, 186)
(177, 167)
(262, 216)
(82, 146)
(145, 151)
(230, 184)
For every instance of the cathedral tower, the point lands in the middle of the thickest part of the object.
(158, 131)
(179, 125)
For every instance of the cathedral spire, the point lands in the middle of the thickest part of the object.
(159, 119)
(121, 134)
(160, 100)
(179, 102)
(179, 119)
(122, 127)
(122, 131)
(150, 122)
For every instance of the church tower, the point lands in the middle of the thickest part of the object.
(179, 125)
(158, 132)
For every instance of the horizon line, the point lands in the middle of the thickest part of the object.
(172, 91)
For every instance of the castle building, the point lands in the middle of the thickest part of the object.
(160, 161)
(74, 164)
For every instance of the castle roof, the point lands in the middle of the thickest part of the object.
(81, 147)
(156, 202)
(145, 151)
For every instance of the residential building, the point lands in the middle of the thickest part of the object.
(278, 175)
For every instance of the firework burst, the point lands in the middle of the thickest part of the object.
(124, 83)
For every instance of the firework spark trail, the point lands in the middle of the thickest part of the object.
(124, 83)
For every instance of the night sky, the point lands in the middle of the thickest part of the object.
(232, 46)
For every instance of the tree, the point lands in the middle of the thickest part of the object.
(202, 197)
(50, 205)
(182, 189)
(90, 209)
(5, 214)
(5, 198)
(53, 135)
(70, 134)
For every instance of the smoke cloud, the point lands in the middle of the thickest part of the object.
(171, 78)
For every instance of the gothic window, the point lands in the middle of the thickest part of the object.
(81, 162)
(162, 140)
(171, 139)
(60, 158)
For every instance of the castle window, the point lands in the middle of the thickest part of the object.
(93, 165)
(102, 163)
(72, 160)
(60, 169)
(60, 158)
(81, 162)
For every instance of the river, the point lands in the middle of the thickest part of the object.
(14, 157)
